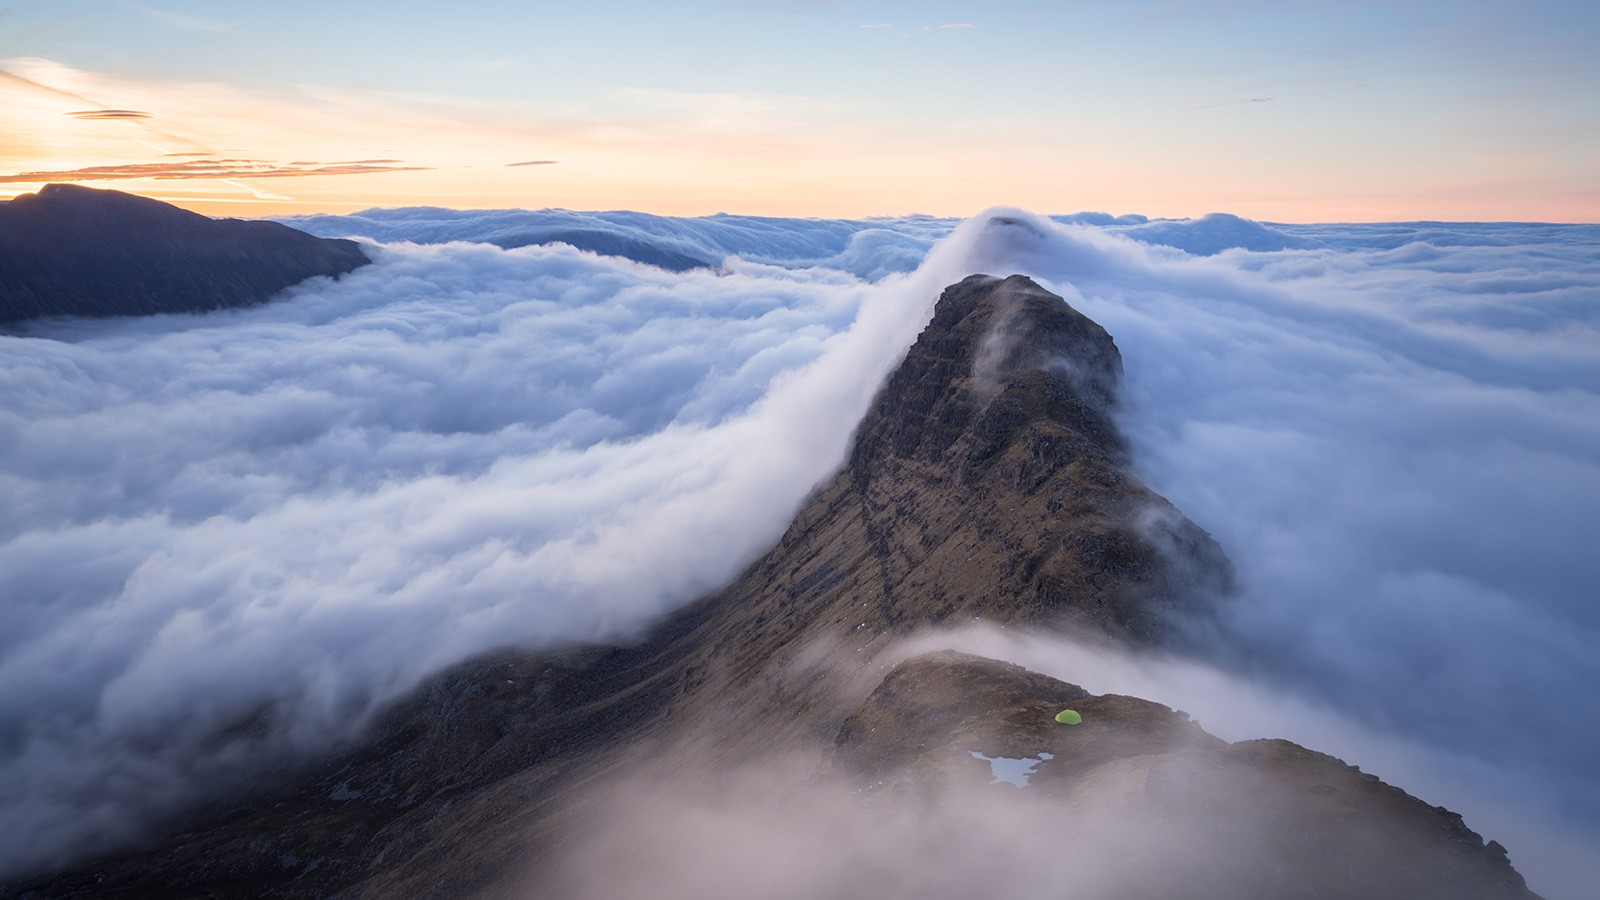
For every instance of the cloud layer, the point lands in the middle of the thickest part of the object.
(867, 248)
(287, 515)
(297, 511)
(204, 168)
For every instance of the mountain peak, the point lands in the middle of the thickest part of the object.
(1002, 359)
(68, 250)
(992, 449)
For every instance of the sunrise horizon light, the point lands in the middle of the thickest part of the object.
(1434, 111)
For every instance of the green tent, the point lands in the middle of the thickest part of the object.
(1069, 717)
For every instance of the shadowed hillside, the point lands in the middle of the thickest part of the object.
(76, 251)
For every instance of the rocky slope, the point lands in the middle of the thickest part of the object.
(75, 251)
(1172, 810)
(987, 481)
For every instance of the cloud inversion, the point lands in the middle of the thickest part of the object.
(305, 508)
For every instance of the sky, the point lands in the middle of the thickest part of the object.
(297, 512)
(1280, 111)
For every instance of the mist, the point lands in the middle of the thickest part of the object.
(674, 818)
(290, 515)
(1506, 803)
(674, 830)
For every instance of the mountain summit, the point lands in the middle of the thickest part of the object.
(987, 481)
(75, 251)
(992, 481)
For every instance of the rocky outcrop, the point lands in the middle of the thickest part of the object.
(987, 481)
(75, 251)
(990, 480)
(1184, 813)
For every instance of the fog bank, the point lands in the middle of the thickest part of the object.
(289, 515)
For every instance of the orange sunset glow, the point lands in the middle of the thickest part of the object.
(233, 150)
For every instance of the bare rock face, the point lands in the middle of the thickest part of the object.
(75, 251)
(987, 481)
(992, 482)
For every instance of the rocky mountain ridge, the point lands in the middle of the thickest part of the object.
(987, 481)
(1175, 811)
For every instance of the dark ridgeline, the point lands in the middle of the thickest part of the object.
(75, 251)
(987, 481)
(606, 243)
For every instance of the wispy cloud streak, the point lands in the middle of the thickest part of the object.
(1239, 102)
(109, 114)
(210, 169)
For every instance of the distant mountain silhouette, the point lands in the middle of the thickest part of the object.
(606, 243)
(75, 251)
(987, 481)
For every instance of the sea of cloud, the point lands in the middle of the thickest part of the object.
(232, 536)
(867, 248)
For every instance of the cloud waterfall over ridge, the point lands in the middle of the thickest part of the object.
(298, 511)
(292, 513)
